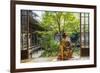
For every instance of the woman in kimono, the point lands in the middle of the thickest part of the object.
(65, 50)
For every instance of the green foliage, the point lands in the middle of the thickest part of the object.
(57, 22)
(61, 21)
(52, 50)
(48, 43)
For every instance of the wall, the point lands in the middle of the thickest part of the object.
(5, 36)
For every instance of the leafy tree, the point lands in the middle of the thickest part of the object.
(60, 22)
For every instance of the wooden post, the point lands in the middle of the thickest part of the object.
(28, 34)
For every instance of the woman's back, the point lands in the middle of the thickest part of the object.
(65, 49)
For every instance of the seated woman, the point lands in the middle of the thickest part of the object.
(65, 50)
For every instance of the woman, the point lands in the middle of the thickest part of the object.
(65, 51)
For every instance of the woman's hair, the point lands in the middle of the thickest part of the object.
(64, 35)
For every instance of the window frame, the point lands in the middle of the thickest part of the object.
(13, 40)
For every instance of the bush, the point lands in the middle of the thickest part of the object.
(49, 45)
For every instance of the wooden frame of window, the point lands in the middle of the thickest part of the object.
(84, 34)
(13, 32)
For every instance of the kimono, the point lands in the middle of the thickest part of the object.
(65, 51)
